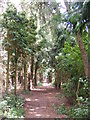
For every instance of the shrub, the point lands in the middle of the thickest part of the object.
(12, 106)
(62, 110)
(69, 89)
(79, 112)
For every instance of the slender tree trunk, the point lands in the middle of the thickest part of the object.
(89, 63)
(77, 91)
(32, 63)
(50, 76)
(29, 69)
(7, 81)
(83, 53)
(21, 76)
(40, 76)
(15, 72)
(24, 76)
(36, 68)
(29, 82)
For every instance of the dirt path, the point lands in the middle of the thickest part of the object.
(39, 103)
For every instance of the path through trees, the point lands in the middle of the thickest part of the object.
(40, 102)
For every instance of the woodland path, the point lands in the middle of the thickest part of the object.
(39, 102)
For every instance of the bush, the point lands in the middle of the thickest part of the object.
(69, 90)
(12, 106)
(62, 110)
(79, 112)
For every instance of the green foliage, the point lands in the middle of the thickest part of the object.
(73, 112)
(62, 110)
(68, 88)
(12, 106)
(59, 96)
(79, 112)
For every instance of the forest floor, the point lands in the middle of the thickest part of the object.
(40, 102)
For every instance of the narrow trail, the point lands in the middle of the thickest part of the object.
(39, 103)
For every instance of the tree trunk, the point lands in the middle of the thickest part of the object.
(32, 63)
(12, 80)
(83, 53)
(36, 68)
(24, 76)
(29, 82)
(50, 76)
(7, 82)
(40, 76)
(81, 45)
(15, 72)
(21, 76)
(89, 63)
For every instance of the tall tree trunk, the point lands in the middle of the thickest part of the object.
(15, 72)
(24, 76)
(81, 45)
(32, 63)
(29, 77)
(50, 76)
(40, 76)
(29, 82)
(7, 81)
(89, 62)
(21, 76)
(36, 68)
(83, 53)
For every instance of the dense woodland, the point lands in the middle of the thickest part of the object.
(42, 42)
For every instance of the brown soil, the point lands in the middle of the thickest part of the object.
(40, 102)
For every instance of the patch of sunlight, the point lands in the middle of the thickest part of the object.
(43, 107)
(31, 109)
(38, 115)
(46, 84)
(36, 100)
(32, 112)
(37, 108)
(28, 99)
(39, 89)
(48, 115)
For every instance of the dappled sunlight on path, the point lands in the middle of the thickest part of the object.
(39, 102)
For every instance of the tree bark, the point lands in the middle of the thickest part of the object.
(81, 45)
(29, 82)
(24, 76)
(40, 76)
(15, 72)
(36, 68)
(32, 63)
(7, 82)
(83, 53)
(50, 76)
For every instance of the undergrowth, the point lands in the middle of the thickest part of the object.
(12, 107)
(78, 112)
